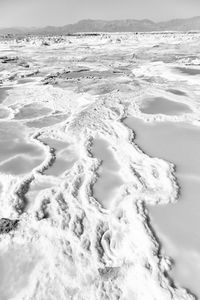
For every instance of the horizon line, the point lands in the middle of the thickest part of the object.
(89, 19)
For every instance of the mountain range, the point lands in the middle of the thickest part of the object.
(129, 25)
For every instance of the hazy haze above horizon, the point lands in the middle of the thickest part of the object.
(61, 12)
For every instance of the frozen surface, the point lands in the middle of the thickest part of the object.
(2, 94)
(31, 111)
(178, 143)
(109, 180)
(189, 71)
(164, 106)
(18, 155)
(74, 180)
(4, 113)
(46, 121)
(19, 164)
(177, 92)
(177, 224)
(66, 156)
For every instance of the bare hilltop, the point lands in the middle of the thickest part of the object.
(129, 25)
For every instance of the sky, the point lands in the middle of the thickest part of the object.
(39, 13)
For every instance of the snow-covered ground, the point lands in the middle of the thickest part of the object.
(76, 191)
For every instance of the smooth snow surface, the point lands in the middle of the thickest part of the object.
(92, 215)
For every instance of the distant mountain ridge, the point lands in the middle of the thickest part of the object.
(129, 25)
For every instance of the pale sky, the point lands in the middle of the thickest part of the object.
(61, 12)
